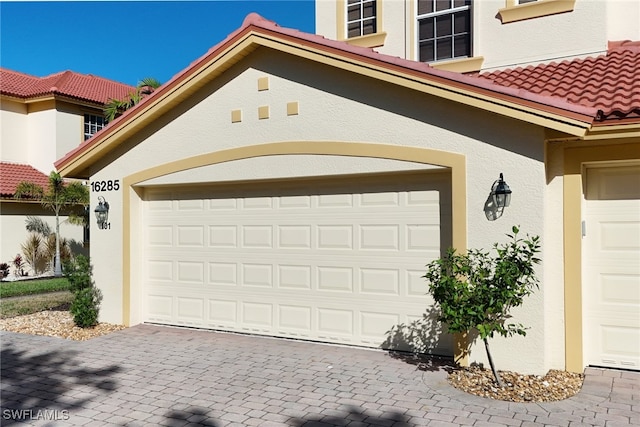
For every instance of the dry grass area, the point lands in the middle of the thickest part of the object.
(28, 304)
(555, 385)
(55, 323)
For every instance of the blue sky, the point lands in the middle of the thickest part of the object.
(127, 41)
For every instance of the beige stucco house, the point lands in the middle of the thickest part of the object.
(291, 185)
(41, 119)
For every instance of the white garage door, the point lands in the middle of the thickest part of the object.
(337, 263)
(612, 267)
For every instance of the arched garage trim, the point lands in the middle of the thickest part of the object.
(132, 201)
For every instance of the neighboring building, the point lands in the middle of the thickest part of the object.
(466, 36)
(41, 119)
(291, 185)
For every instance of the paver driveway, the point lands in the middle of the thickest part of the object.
(151, 375)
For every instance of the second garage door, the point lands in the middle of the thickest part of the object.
(612, 267)
(335, 261)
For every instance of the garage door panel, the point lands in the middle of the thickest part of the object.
(256, 316)
(190, 310)
(253, 274)
(222, 313)
(190, 272)
(339, 266)
(295, 277)
(159, 307)
(295, 320)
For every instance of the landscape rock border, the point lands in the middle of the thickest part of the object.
(555, 385)
(55, 323)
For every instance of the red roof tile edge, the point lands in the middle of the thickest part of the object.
(12, 174)
(86, 87)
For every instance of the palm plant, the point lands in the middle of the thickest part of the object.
(35, 253)
(57, 196)
(116, 107)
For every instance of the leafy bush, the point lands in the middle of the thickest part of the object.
(85, 307)
(475, 291)
(78, 272)
(86, 302)
(4, 269)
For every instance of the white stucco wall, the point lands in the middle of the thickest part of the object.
(335, 106)
(623, 17)
(12, 229)
(69, 131)
(555, 37)
(41, 140)
(39, 136)
(326, 19)
(13, 128)
(583, 32)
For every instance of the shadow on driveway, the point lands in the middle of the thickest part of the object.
(353, 416)
(35, 386)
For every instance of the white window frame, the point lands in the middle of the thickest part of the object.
(433, 14)
(95, 123)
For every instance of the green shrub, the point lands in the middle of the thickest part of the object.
(85, 307)
(78, 272)
(86, 301)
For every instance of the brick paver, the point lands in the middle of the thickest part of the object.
(152, 375)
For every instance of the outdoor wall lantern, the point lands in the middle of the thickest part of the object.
(500, 193)
(102, 212)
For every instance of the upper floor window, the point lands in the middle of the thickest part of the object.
(92, 124)
(444, 29)
(361, 17)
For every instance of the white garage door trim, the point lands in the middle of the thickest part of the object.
(338, 265)
(611, 267)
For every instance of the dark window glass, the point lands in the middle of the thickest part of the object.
(369, 27)
(425, 6)
(354, 29)
(443, 48)
(443, 5)
(461, 23)
(426, 29)
(353, 13)
(369, 10)
(443, 26)
(427, 52)
(461, 46)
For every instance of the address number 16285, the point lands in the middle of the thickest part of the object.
(108, 185)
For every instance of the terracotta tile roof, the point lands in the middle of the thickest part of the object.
(12, 174)
(610, 83)
(255, 23)
(85, 87)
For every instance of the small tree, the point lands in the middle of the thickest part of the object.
(57, 196)
(476, 291)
